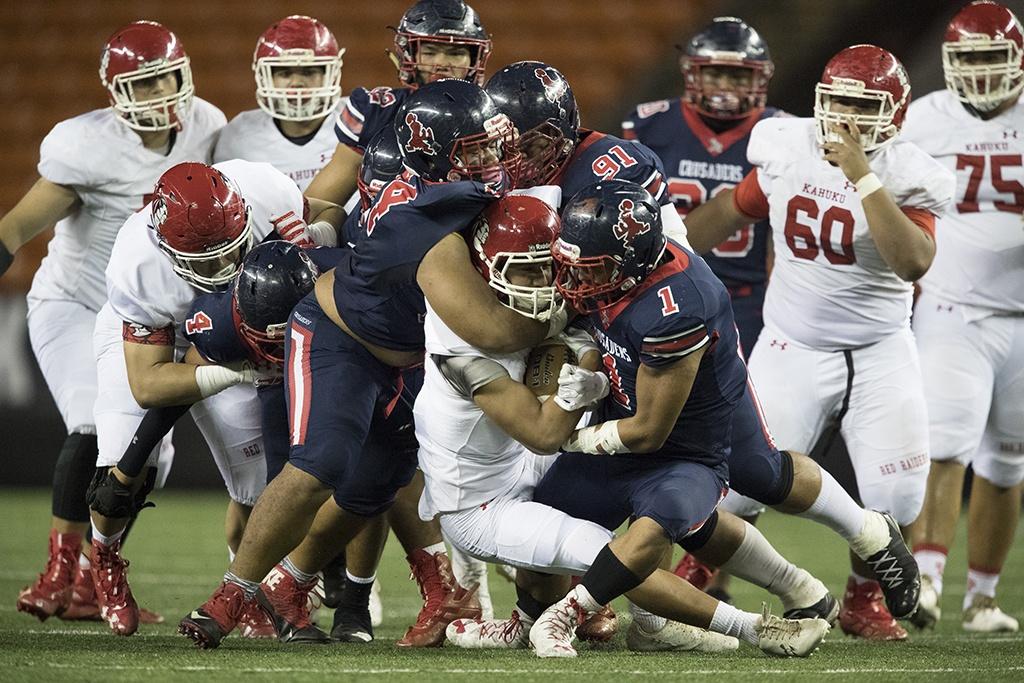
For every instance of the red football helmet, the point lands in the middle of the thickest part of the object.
(142, 51)
(868, 75)
(297, 41)
(983, 55)
(514, 234)
(203, 224)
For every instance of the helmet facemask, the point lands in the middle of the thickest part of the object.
(211, 270)
(408, 61)
(982, 71)
(491, 157)
(726, 104)
(536, 302)
(876, 128)
(160, 113)
(589, 283)
(543, 151)
(298, 103)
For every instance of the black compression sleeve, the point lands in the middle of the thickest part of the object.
(154, 426)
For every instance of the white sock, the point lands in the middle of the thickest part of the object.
(231, 555)
(650, 623)
(584, 598)
(106, 540)
(297, 574)
(932, 563)
(436, 548)
(836, 509)
(733, 622)
(759, 563)
(360, 579)
(83, 562)
(979, 583)
(250, 587)
(873, 536)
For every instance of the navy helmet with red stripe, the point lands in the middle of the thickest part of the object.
(273, 278)
(611, 239)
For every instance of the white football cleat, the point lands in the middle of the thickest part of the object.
(674, 636)
(376, 607)
(928, 610)
(984, 616)
(789, 637)
(498, 634)
(552, 634)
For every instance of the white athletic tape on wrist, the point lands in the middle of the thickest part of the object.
(602, 439)
(868, 184)
(213, 379)
(323, 233)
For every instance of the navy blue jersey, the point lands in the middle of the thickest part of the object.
(680, 308)
(350, 228)
(366, 113)
(375, 286)
(212, 326)
(599, 156)
(699, 164)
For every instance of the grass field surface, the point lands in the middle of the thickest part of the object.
(178, 554)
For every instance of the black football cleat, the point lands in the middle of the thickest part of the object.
(352, 625)
(827, 608)
(207, 625)
(290, 616)
(896, 571)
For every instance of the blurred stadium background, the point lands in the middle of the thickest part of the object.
(615, 53)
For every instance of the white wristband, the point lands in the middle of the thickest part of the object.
(602, 439)
(213, 379)
(868, 184)
(323, 233)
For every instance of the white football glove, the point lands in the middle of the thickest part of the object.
(578, 387)
(259, 374)
(579, 341)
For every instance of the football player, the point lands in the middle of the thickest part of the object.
(297, 64)
(435, 39)
(190, 239)
(362, 331)
(481, 487)
(701, 138)
(968, 321)
(96, 169)
(853, 212)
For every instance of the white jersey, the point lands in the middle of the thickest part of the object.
(112, 173)
(980, 240)
(141, 284)
(466, 459)
(830, 289)
(253, 136)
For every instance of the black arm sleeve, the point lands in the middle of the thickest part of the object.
(154, 426)
(6, 259)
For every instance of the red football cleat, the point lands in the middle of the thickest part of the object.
(255, 623)
(286, 601)
(217, 617)
(113, 594)
(51, 593)
(599, 627)
(444, 600)
(865, 615)
(85, 607)
(696, 572)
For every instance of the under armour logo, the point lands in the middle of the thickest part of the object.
(944, 308)
(629, 227)
(421, 138)
(715, 147)
(1010, 134)
(781, 345)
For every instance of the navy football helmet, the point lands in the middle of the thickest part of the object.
(381, 163)
(731, 43)
(445, 22)
(451, 130)
(543, 109)
(273, 278)
(611, 239)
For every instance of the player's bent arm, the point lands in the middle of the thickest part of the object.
(155, 379)
(42, 206)
(905, 246)
(714, 221)
(541, 427)
(322, 210)
(337, 180)
(468, 306)
(661, 394)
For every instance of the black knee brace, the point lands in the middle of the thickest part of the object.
(786, 480)
(698, 540)
(75, 466)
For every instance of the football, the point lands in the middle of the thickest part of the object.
(543, 365)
